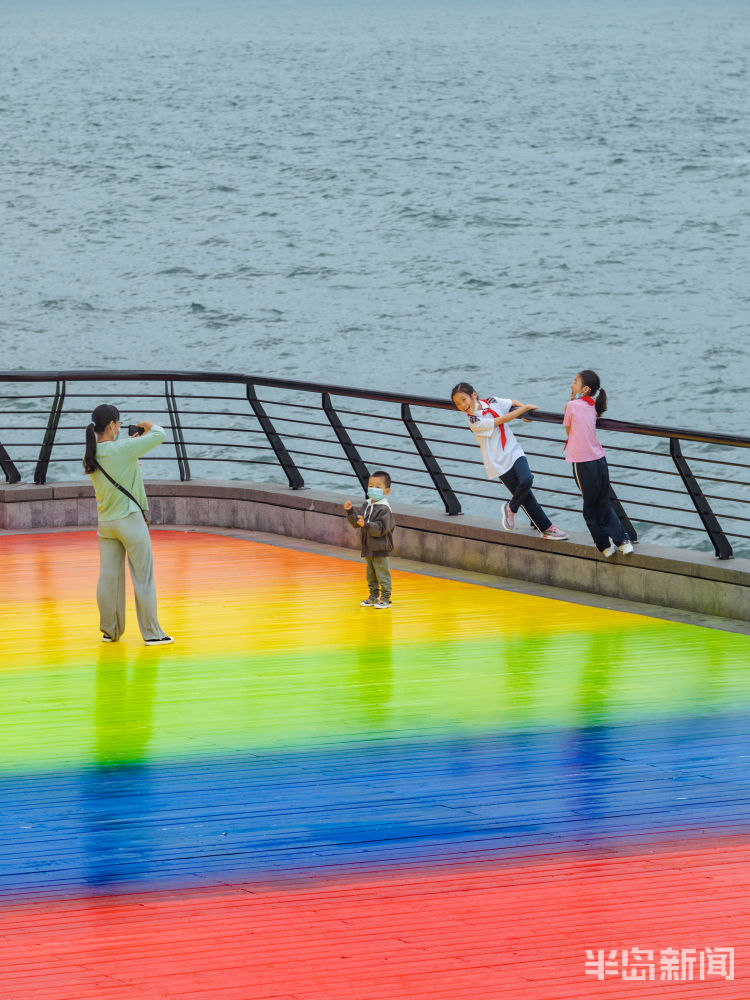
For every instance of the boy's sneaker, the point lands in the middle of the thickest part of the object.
(626, 547)
(107, 638)
(610, 549)
(554, 532)
(382, 603)
(369, 602)
(163, 641)
(509, 518)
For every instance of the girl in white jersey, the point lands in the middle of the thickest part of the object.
(502, 455)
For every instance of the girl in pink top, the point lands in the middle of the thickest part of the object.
(587, 403)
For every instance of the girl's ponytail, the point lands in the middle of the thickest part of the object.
(600, 403)
(591, 379)
(101, 418)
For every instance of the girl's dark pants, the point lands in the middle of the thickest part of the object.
(518, 480)
(598, 513)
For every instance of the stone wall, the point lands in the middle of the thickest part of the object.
(690, 581)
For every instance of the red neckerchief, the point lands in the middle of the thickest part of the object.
(501, 426)
(583, 399)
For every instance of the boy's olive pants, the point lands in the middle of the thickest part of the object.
(116, 538)
(378, 576)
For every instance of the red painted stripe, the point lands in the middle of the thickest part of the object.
(518, 932)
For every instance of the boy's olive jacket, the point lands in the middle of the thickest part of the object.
(377, 534)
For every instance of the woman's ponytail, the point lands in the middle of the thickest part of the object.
(592, 380)
(89, 458)
(101, 418)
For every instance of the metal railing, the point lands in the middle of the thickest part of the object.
(665, 481)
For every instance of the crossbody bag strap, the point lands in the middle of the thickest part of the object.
(122, 489)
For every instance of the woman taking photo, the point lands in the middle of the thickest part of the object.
(121, 504)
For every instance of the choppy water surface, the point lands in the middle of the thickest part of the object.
(386, 195)
(382, 194)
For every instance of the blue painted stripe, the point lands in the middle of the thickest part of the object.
(361, 806)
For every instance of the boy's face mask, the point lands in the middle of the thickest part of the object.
(375, 493)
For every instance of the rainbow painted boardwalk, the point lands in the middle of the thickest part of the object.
(305, 799)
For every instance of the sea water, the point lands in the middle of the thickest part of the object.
(388, 195)
(394, 195)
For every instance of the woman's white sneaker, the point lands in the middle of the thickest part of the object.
(163, 641)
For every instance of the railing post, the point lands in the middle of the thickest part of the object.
(12, 475)
(358, 466)
(624, 519)
(40, 472)
(179, 442)
(449, 498)
(722, 548)
(285, 460)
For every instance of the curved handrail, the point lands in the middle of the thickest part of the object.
(543, 416)
(413, 434)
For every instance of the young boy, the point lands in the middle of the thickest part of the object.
(375, 519)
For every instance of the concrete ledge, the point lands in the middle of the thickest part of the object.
(690, 581)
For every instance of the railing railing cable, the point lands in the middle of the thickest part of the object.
(292, 473)
(299, 422)
(625, 521)
(358, 466)
(12, 475)
(722, 548)
(183, 463)
(40, 473)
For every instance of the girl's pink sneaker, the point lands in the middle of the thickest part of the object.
(554, 532)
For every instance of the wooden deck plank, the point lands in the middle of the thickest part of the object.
(304, 800)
